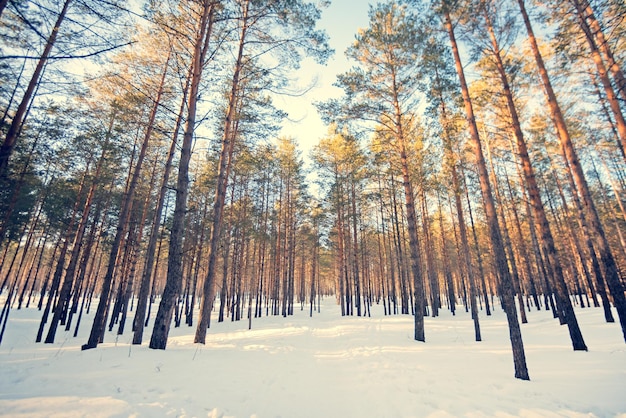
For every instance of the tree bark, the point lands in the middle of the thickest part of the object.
(144, 286)
(506, 285)
(602, 245)
(173, 283)
(228, 142)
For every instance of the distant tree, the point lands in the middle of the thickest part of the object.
(339, 155)
(382, 90)
(286, 30)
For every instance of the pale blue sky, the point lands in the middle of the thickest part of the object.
(341, 20)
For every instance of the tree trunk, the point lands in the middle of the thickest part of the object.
(228, 142)
(414, 247)
(341, 250)
(144, 286)
(508, 246)
(97, 330)
(84, 263)
(618, 75)
(64, 294)
(466, 252)
(519, 357)
(479, 257)
(14, 129)
(398, 240)
(16, 192)
(355, 250)
(58, 273)
(391, 288)
(602, 245)
(602, 71)
(431, 272)
(26, 249)
(173, 283)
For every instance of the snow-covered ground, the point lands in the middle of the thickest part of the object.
(325, 366)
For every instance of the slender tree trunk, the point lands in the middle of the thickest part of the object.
(35, 270)
(601, 243)
(97, 330)
(44, 286)
(586, 13)
(610, 208)
(409, 201)
(26, 249)
(466, 252)
(314, 263)
(66, 289)
(414, 247)
(391, 288)
(341, 248)
(607, 113)
(58, 273)
(135, 245)
(523, 249)
(451, 161)
(196, 270)
(173, 282)
(355, 250)
(228, 142)
(286, 271)
(16, 191)
(506, 285)
(149, 265)
(397, 236)
(447, 273)
(431, 270)
(587, 238)
(84, 262)
(508, 246)
(6, 149)
(602, 71)
(581, 259)
(265, 194)
(479, 257)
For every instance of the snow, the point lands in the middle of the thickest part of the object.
(325, 366)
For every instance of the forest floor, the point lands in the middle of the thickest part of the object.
(324, 366)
